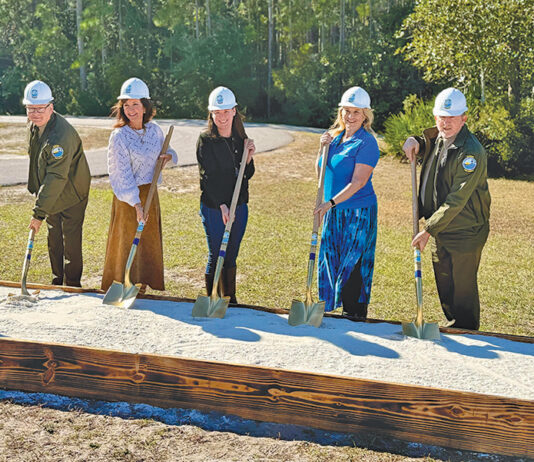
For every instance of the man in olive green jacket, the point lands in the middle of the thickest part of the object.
(59, 177)
(454, 200)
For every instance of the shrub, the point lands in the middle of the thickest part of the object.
(415, 117)
(508, 140)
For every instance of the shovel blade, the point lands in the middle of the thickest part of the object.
(297, 313)
(22, 297)
(23, 289)
(201, 307)
(427, 331)
(129, 295)
(302, 314)
(315, 314)
(208, 307)
(118, 295)
(218, 307)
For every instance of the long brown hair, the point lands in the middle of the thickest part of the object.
(238, 129)
(117, 111)
(339, 126)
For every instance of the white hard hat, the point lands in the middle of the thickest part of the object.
(134, 88)
(450, 102)
(356, 97)
(221, 98)
(37, 92)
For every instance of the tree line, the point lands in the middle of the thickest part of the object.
(287, 60)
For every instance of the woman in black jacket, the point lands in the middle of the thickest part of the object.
(219, 153)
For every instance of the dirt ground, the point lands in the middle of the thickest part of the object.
(40, 434)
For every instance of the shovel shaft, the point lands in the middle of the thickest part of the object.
(148, 202)
(131, 256)
(229, 223)
(316, 222)
(311, 261)
(27, 259)
(28, 256)
(418, 286)
(415, 202)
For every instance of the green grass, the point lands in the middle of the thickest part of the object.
(273, 259)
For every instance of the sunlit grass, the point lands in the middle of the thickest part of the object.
(273, 258)
(14, 138)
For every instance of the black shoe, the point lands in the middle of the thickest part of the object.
(228, 281)
(356, 310)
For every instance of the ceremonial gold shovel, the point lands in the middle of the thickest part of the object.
(310, 312)
(418, 328)
(211, 305)
(124, 295)
(24, 294)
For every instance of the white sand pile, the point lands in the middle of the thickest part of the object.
(472, 363)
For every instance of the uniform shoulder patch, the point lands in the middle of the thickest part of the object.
(57, 151)
(469, 164)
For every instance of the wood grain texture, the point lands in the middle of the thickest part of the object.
(445, 330)
(459, 420)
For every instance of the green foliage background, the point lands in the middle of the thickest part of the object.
(288, 61)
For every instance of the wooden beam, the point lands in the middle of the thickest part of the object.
(445, 330)
(466, 421)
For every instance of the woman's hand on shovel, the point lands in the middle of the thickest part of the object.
(166, 158)
(141, 218)
(322, 209)
(251, 150)
(225, 213)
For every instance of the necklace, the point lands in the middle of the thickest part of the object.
(233, 152)
(140, 135)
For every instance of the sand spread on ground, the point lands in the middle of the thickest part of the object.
(473, 363)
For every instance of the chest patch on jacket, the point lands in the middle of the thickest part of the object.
(57, 152)
(469, 164)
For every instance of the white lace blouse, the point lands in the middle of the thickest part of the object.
(132, 156)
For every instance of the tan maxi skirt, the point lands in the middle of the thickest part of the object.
(147, 267)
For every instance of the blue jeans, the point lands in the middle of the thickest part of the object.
(214, 228)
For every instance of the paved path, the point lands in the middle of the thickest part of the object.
(14, 168)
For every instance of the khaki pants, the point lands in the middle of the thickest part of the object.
(65, 244)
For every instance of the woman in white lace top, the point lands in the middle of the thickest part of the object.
(133, 150)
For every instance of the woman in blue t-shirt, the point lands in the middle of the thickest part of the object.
(348, 240)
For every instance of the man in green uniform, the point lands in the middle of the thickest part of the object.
(59, 177)
(454, 200)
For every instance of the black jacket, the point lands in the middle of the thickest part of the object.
(218, 167)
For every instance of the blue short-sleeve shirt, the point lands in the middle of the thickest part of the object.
(362, 148)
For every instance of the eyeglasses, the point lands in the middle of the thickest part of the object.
(39, 110)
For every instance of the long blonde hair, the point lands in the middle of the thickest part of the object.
(339, 126)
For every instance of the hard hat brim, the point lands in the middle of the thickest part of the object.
(445, 113)
(27, 102)
(132, 97)
(353, 105)
(222, 107)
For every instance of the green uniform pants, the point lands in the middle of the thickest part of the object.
(456, 280)
(65, 244)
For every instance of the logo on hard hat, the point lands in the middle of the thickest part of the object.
(447, 103)
(129, 89)
(469, 164)
(220, 99)
(34, 93)
(352, 98)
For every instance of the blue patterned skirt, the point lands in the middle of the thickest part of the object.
(348, 235)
